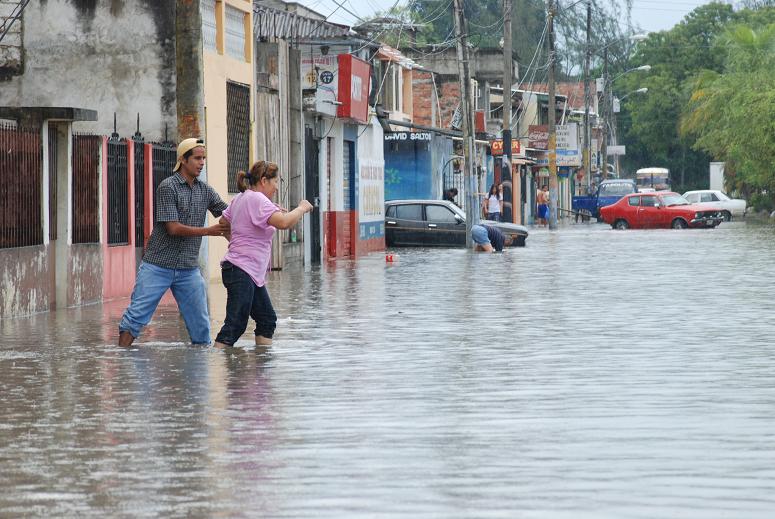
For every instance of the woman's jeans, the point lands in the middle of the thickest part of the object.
(244, 299)
(188, 288)
(495, 217)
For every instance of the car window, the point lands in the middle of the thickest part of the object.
(706, 197)
(693, 198)
(391, 212)
(714, 197)
(438, 213)
(634, 200)
(648, 201)
(409, 212)
(617, 189)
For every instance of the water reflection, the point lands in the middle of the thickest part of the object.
(593, 373)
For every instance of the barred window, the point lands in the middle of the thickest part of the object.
(20, 190)
(237, 131)
(86, 203)
(209, 24)
(235, 33)
(118, 192)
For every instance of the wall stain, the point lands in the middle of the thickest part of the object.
(163, 14)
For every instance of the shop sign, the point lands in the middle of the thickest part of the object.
(354, 84)
(496, 147)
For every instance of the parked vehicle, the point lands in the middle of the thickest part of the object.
(435, 223)
(607, 193)
(663, 209)
(655, 178)
(714, 197)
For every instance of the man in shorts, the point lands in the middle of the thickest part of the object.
(489, 239)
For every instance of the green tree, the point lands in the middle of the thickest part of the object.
(649, 124)
(731, 114)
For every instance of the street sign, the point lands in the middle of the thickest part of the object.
(496, 146)
(616, 150)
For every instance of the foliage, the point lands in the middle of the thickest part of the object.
(731, 114)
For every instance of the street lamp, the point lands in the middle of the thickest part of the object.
(587, 132)
(608, 105)
(613, 120)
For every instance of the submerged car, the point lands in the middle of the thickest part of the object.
(662, 209)
(715, 198)
(436, 223)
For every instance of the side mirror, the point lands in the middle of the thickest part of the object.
(458, 218)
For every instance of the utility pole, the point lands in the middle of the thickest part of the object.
(604, 148)
(587, 133)
(468, 127)
(509, 212)
(553, 184)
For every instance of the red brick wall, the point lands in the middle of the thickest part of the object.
(425, 99)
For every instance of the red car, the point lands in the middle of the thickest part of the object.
(662, 209)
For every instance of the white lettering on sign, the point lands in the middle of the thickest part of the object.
(355, 90)
(412, 136)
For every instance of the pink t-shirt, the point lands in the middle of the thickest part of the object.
(250, 247)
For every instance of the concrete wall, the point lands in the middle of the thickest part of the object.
(26, 280)
(115, 56)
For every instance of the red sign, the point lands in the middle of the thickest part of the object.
(354, 78)
(479, 121)
(538, 136)
(496, 147)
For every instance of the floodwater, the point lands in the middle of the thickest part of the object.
(593, 373)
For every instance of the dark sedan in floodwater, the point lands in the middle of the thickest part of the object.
(661, 209)
(435, 223)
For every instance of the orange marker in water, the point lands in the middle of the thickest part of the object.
(391, 258)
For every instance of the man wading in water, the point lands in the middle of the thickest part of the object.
(171, 260)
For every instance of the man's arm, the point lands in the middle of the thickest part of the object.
(178, 229)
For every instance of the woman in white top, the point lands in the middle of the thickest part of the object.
(493, 202)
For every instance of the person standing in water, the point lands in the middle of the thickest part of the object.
(171, 259)
(253, 218)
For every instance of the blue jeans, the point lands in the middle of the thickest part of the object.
(189, 289)
(244, 299)
(495, 217)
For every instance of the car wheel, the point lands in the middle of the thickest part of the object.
(679, 223)
(727, 216)
(621, 225)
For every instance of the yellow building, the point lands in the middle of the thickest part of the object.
(227, 29)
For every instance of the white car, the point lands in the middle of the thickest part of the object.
(730, 206)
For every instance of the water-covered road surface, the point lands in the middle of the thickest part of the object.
(594, 373)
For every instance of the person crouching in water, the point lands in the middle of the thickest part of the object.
(489, 239)
(254, 219)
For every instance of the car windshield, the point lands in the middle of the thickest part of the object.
(669, 200)
(616, 189)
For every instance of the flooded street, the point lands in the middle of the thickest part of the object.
(593, 373)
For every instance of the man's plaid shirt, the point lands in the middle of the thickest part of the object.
(176, 201)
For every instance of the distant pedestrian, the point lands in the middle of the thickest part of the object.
(493, 202)
(542, 201)
(489, 239)
(254, 219)
(171, 259)
(450, 195)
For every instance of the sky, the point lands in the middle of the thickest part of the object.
(650, 15)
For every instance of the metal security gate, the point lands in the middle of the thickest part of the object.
(164, 156)
(20, 190)
(118, 191)
(85, 163)
(53, 166)
(139, 173)
(312, 177)
(237, 131)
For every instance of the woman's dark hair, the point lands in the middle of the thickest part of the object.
(494, 189)
(260, 169)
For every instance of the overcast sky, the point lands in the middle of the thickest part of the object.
(650, 15)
